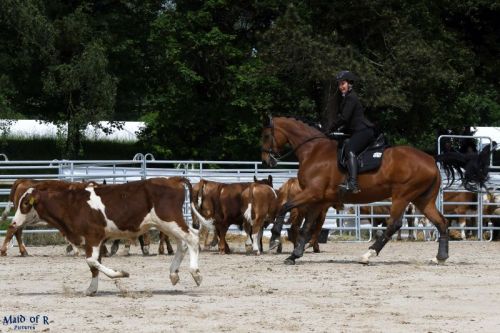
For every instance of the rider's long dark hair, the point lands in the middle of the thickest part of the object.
(472, 169)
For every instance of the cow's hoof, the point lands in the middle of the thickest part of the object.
(3, 253)
(289, 261)
(280, 248)
(124, 274)
(196, 276)
(145, 251)
(24, 254)
(174, 278)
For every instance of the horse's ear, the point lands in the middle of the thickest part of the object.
(270, 179)
(254, 178)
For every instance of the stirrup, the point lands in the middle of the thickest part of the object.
(350, 187)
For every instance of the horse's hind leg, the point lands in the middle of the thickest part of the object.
(432, 213)
(394, 223)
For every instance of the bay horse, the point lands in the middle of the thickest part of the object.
(406, 175)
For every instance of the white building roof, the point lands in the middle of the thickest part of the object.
(35, 128)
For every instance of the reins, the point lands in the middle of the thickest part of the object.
(298, 146)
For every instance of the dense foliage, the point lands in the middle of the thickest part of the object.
(203, 74)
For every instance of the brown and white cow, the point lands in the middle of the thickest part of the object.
(17, 190)
(89, 216)
(259, 207)
(219, 205)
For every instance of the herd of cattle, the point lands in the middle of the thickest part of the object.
(88, 214)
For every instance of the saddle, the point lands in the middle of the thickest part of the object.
(369, 159)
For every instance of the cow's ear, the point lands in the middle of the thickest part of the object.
(254, 178)
(270, 179)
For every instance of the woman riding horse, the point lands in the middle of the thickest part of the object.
(405, 175)
(352, 120)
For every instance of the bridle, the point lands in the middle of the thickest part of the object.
(275, 155)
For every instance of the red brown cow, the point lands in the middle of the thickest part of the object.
(219, 204)
(259, 207)
(492, 207)
(203, 211)
(87, 217)
(458, 209)
(289, 190)
(17, 190)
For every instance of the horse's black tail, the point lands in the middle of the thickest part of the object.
(472, 169)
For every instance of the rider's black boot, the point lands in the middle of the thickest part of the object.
(352, 182)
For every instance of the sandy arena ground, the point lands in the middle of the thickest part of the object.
(326, 292)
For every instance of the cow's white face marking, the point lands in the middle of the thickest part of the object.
(30, 217)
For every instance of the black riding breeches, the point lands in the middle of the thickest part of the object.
(360, 140)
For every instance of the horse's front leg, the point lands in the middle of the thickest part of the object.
(303, 198)
(304, 236)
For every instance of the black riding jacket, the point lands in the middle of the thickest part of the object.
(352, 114)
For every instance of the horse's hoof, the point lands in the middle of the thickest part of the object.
(280, 248)
(124, 274)
(90, 292)
(3, 253)
(436, 261)
(273, 244)
(289, 261)
(24, 254)
(365, 259)
(174, 278)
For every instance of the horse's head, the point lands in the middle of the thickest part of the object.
(272, 143)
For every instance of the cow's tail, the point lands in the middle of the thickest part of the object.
(472, 169)
(6, 211)
(189, 186)
(196, 202)
(12, 194)
(249, 214)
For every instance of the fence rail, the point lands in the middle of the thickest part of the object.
(360, 226)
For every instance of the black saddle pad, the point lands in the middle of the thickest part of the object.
(369, 159)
